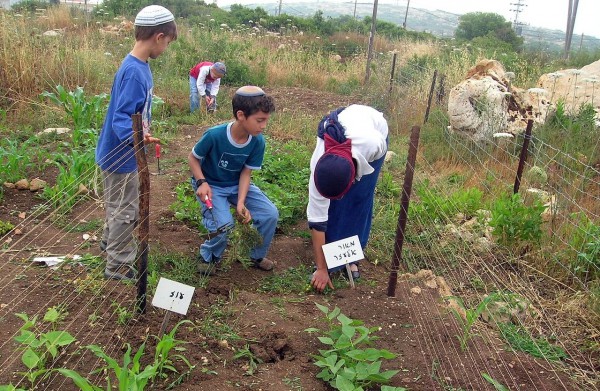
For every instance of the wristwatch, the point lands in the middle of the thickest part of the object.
(200, 181)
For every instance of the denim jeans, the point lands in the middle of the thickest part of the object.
(195, 96)
(264, 219)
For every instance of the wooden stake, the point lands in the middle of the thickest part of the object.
(144, 220)
(350, 276)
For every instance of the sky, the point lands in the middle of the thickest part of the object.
(536, 13)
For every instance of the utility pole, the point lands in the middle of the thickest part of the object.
(517, 26)
(371, 39)
(406, 15)
(279, 10)
(571, 16)
(355, 8)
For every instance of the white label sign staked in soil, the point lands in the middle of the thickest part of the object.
(343, 251)
(173, 296)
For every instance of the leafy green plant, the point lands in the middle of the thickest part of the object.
(345, 365)
(284, 178)
(497, 385)
(437, 206)
(74, 170)
(5, 227)
(242, 239)
(515, 223)
(471, 315)
(85, 112)
(129, 373)
(519, 339)
(291, 280)
(249, 356)
(162, 354)
(123, 314)
(15, 159)
(186, 207)
(40, 350)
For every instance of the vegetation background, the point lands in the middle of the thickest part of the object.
(543, 273)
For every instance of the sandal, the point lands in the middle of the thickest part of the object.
(355, 273)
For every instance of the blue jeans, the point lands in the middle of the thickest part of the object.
(264, 219)
(195, 96)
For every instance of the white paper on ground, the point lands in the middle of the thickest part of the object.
(53, 262)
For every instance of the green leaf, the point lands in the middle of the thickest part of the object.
(344, 320)
(52, 315)
(80, 381)
(326, 340)
(30, 358)
(26, 337)
(343, 384)
(323, 309)
(348, 331)
(59, 338)
(498, 386)
(336, 311)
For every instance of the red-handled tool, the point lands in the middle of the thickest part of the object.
(209, 205)
(208, 202)
(157, 150)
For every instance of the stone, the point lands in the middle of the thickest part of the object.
(37, 184)
(22, 184)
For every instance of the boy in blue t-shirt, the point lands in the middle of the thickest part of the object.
(131, 93)
(221, 164)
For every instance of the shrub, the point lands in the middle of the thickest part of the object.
(515, 223)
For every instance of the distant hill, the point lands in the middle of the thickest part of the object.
(439, 23)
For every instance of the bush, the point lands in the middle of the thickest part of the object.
(515, 223)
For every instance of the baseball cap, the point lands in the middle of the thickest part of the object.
(153, 15)
(219, 68)
(335, 171)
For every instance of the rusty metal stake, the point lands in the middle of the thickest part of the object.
(430, 96)
(403, 216)
(523, 157)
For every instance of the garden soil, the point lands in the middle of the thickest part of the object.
(415, 324)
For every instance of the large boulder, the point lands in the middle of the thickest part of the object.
(486, 103)
(574, 87)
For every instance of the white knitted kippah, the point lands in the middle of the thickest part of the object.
(153, 15)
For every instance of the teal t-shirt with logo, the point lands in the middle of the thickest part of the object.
(222, 159)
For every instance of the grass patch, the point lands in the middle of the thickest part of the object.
(519, 339)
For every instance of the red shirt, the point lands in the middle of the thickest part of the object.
(195, 71)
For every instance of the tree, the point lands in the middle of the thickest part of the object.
(487, 24)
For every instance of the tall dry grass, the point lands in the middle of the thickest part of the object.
(31, 62)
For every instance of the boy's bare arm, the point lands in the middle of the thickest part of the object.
(203, 190)
(243, 187)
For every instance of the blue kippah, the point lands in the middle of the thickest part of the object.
(333, 176)
(250, 91)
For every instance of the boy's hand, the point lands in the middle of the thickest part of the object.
(204, 192)
(320, 280)
(244, 213)
(209, 100)
(148, 139)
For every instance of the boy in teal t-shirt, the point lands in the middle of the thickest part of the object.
(221, 164)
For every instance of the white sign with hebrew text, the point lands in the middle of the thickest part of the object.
(343, 251)
(173, 296)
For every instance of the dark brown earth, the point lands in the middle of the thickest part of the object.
(416, 326)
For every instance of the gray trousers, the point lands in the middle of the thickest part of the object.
(121, 201)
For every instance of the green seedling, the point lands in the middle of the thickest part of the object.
(497, 385)
(471, 315)
(40, 350)
(249, 356)
(345, 364)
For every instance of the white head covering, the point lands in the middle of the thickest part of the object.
(153, 15)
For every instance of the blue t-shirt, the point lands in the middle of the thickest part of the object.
(222, 159)
(131, 93)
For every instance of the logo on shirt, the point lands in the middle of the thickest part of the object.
(223, 163)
